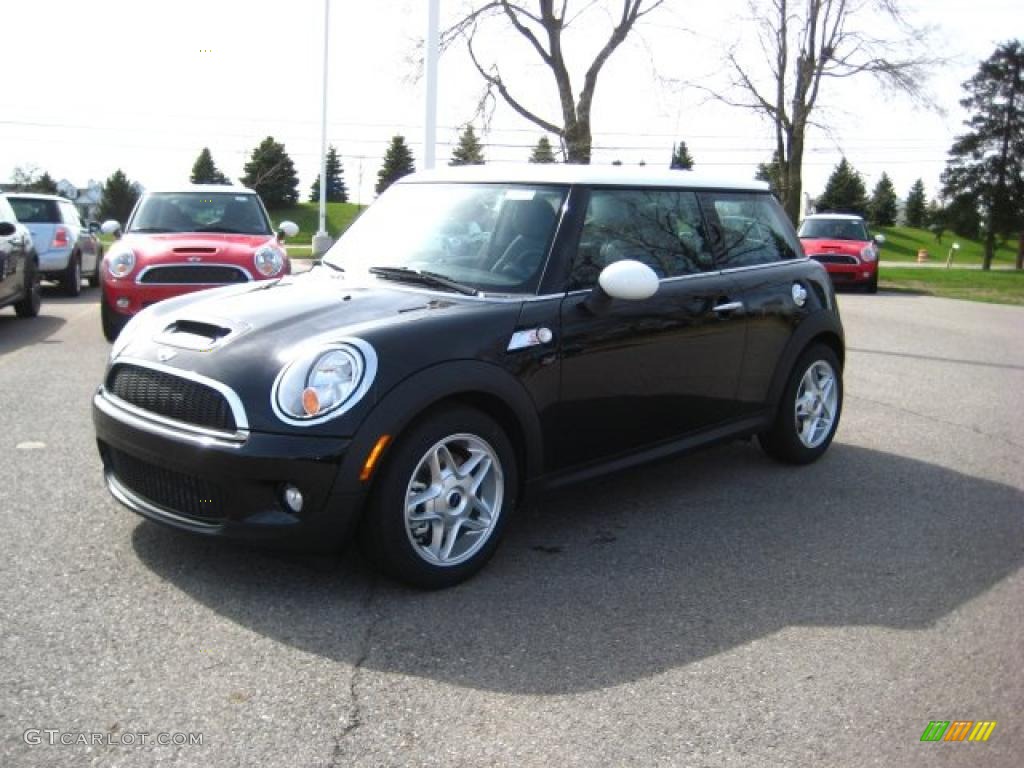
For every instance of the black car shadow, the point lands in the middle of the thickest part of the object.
(627, 577)
(16, 332)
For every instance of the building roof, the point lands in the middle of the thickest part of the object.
(560, 173)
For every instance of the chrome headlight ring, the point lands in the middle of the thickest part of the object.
(323, 381)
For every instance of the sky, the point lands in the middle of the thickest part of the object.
(91, 87)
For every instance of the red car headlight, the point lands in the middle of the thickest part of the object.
(268, 260)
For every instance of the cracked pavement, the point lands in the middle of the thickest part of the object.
(716, 609)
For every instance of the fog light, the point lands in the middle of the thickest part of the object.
(123, 302)
(293, 498)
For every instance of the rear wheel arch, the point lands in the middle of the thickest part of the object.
(820, 328)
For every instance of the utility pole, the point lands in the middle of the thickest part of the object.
(432, 54)
(322, 240)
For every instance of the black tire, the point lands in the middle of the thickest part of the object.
(387, 538)
(71, 277)
(94, 278)
(113, 322)
(872, 286)
(783, 440)
(29, 304)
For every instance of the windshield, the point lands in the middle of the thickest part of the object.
(200, 212)
(833, 229)
(490, 237)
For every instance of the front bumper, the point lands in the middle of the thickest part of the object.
(126, 297)
(227, 488)
(852, 274)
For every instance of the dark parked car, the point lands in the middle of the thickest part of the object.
(19, 264)
(477, 335)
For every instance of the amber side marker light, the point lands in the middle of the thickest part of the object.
(371, 461)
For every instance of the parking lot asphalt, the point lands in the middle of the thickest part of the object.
(715, 609)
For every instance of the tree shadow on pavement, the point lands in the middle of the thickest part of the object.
(624, 578)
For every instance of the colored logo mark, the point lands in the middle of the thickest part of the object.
(958, 730)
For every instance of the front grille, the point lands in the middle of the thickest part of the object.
(171, 396)
(206, 274)
(834, 258)
(182, 494)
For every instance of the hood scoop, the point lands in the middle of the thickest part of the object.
(194, 334)
(197, 249)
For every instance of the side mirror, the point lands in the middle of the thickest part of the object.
(879, 238)
(110, 227)
(7, 229)
(628, 280)
(287, 229)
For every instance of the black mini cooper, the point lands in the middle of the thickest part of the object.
(478, 334)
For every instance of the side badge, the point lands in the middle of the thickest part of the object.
(164, 354)
(530, 338)
(799, 294)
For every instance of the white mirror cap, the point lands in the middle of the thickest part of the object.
(628, 279)
(109, 227)
(879, 238)
(290, 228)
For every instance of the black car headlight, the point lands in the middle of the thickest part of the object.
(324, 382)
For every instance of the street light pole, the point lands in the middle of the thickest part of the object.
(321, 240)
(432, 53)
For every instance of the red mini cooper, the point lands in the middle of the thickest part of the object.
(188, 239)
(840, 241)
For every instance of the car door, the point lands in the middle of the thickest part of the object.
(85, 241)
(756, 247)
(636, 373)
(12, 253)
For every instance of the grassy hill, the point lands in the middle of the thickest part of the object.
(307, 216)
(902, 244)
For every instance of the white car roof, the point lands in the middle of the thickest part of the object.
(37, 196)
(233, 189)
(835, 216)
(560, 173)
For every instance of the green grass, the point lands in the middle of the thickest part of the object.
(902, 244)
(307, 216)
(999, 287)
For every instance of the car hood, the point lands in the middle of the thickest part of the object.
(244, 335)
(195, 246)
(824, 245)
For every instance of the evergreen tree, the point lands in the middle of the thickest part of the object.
(271, 173)
(844, 192)
(916, 207)
(935, 218)
(469, 151)
(398, 162)
(963, 217)
(119, 197)
(336, 190)
(205, 171)
(543, 153)
(987, 163)
(772, 173)
(44, 185)
(681, 159)
(882, 208)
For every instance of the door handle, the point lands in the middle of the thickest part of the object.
(730, 306)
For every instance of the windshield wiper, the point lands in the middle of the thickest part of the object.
(322, 263)
(423, 278)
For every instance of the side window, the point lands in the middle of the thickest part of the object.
(748, 229)
(661, 228)
(70, 215)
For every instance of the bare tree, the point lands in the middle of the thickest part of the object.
(803, 44)
(543, 29)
